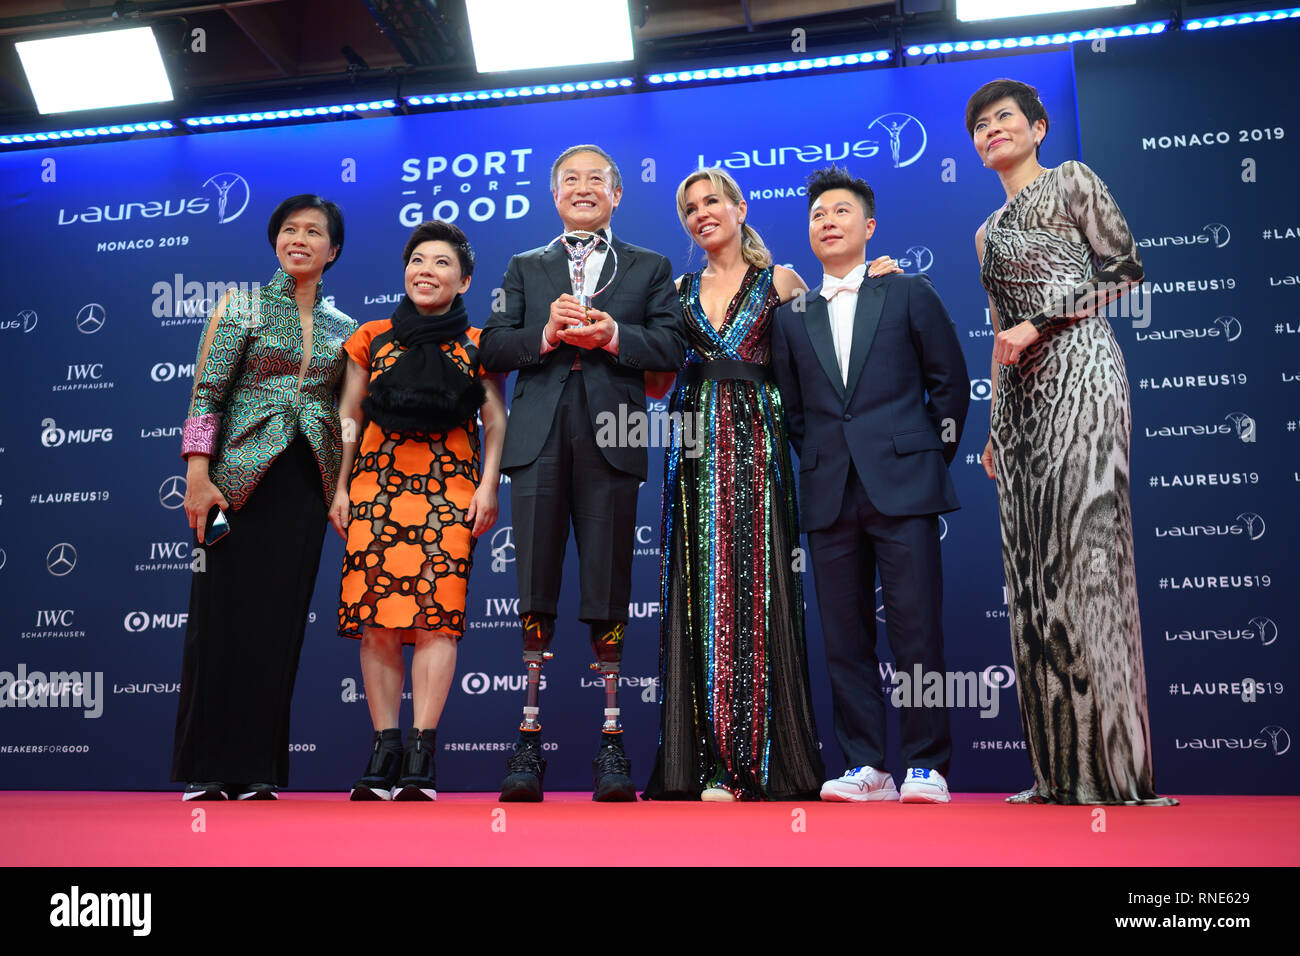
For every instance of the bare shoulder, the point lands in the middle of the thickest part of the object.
(788, 283)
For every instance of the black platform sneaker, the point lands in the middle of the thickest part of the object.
(384, 768)
(612, 771)
(204, 791)
(418, 780)
(254, 791)
(527, 767)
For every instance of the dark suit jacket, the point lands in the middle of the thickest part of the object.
(907, 375)
(651, 333)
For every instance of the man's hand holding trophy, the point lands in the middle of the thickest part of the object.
(573, 320)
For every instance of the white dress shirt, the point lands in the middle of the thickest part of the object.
(841, 305)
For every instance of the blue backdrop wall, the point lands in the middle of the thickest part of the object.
(113, 247)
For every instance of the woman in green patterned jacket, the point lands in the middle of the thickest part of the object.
(262, 443)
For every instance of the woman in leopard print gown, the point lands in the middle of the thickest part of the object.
(1051, 259)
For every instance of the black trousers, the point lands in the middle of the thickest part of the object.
(845, 559)
(248, 615)
(570, 482)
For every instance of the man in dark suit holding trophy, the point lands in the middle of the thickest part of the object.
(578, 357)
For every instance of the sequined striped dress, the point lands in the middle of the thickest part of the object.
(736, 707)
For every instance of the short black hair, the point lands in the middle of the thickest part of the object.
(438, 231)
(1026, 98)
(832, 177)
(333, 219)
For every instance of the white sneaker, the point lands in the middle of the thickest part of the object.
(860, 785)
(717, 795)
(922, 785)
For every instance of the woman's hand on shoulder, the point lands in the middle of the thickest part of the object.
(788, 283)
(883, 266)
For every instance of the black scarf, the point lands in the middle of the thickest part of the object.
(424, 390)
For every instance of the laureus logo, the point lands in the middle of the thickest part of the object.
(907, 136)
(1244, 424)
(232, 195)
(1252, 523)
(1219, 234)
(1278, 737)
(1231, 327)
(1266, 628)
(916, 259)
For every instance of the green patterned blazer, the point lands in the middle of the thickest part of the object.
(246, 407)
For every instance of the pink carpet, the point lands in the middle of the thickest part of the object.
(157, 829)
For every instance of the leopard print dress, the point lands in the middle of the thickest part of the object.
(1060, 432)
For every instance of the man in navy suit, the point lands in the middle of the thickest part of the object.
(876, 392)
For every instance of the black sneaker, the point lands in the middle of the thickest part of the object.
(418, 780)
(527, 767)
(255, 791)
(204, 791)
(613, 771)
(385, 766)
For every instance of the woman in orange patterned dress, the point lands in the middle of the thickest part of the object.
(412, 500)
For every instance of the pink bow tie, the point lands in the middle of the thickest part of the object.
(831, 287)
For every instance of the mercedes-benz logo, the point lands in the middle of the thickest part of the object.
(171, 493)
(503, 548)
(91, 318)
(880, 604)
(943, 528)
(61, 559)
(3, 557)
(895, 125)
(29, 319)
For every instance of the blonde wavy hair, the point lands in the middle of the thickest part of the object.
(752, 248)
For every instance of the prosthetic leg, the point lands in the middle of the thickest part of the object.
(527, 767)
(611, 769)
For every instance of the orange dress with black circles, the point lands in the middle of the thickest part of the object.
(409, 547)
